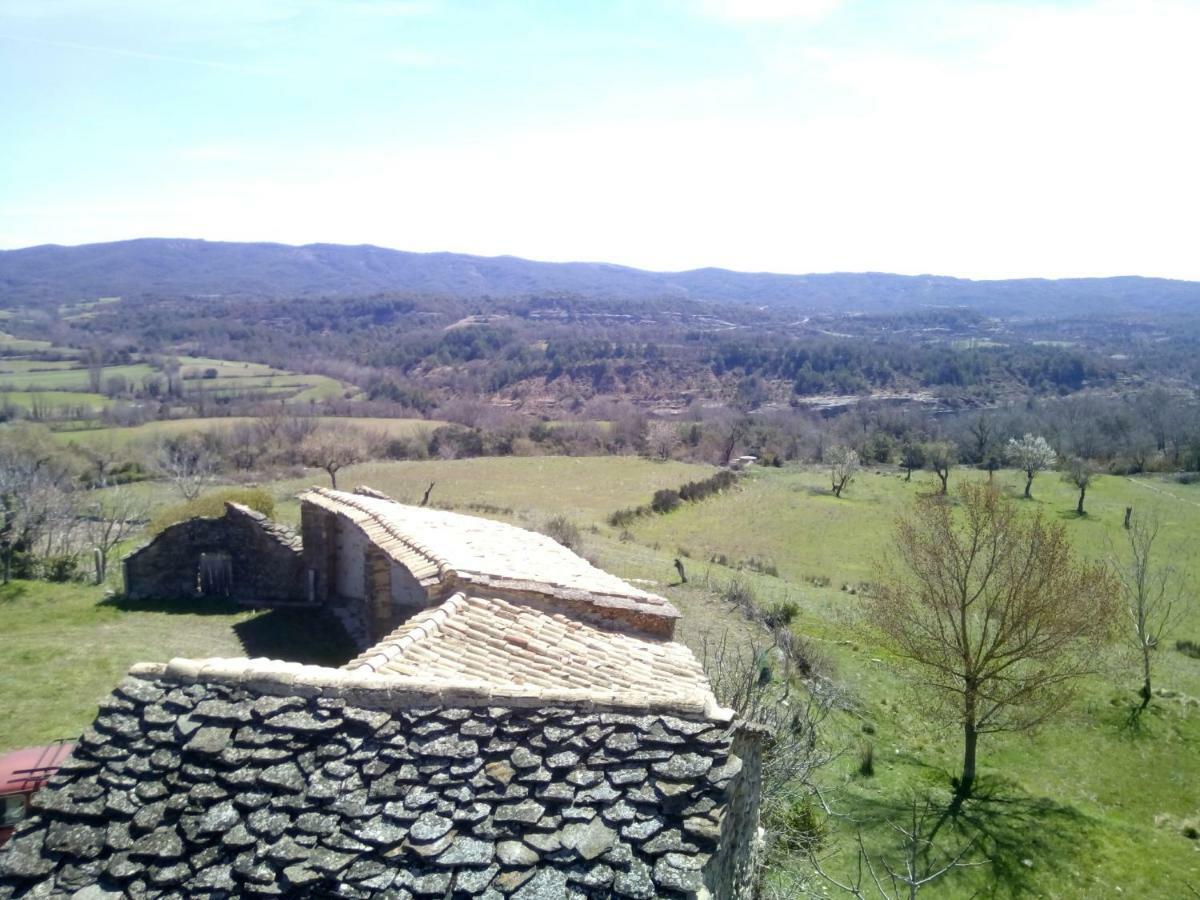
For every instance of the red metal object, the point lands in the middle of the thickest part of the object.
(22, 774)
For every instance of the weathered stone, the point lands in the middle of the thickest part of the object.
(683, 767)
(429, 827)
(370, 719)
(588, 839)
(325, 860)
(528, 812)
(637, 882)
(618, 813)
(301, 875)
(302, 722)
(432, 884)
(238, 837)
(466, 851)
(544, 841)
(679, 872)
(285, 777)
(546, 884)
(702, 829)
(515, 853)
(523, 758)
(23, 856)
(223, 711)
(473, 882)
(161, 844)
(556, 791)
(641, 831)
(221, 817)
(448, 746)
(75, 839)
(668, 840)
(585, 777)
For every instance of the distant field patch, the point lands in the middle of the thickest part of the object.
(154, 431)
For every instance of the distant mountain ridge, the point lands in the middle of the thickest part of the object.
(189, 267)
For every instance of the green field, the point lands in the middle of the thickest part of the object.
(1087, 807)
(54, 400)
(153, 431)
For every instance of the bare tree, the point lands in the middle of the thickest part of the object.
(843, 464)
(994, 610)
(333, 450)
(920, 861)
(940, 457)
(1081, 473)
(187, 463)
(111, 518)
(1153, 593)
(1031, 454)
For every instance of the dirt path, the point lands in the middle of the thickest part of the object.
(1158, 490)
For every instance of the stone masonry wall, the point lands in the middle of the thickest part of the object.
(217, 790)
(265, 559)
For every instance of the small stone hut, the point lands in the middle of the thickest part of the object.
(527, 732)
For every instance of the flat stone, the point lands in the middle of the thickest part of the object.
(434, 884)
(547, 884)
(636, 881)
(162, 844)
(285, 776)
(75, 839)
(528, 812)
(466, 851)
(670, 872)
(95, 892)
(326, 860)
(222, 711)
(524, 758)
(303, 722)
(473, 882)
(381, 832)
(23, 857)
(301, 876)
(515, 853)
(589, 839)
(544, 841)
(449, 747)
(640, 831)
(221, 817)
(630, 775)
(683, 767)
(429, 827)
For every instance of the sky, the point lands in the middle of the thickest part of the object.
(954, 137)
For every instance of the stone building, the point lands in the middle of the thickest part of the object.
(242, 556)
(527, 728)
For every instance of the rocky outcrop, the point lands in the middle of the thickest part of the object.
(211, 789)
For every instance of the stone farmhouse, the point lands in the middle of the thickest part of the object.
(518, 724)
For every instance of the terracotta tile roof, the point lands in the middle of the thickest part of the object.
(474, 639)
(452, 550)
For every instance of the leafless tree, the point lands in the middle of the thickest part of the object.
(1153, 593)
(996, 612)
(333, 450)
(1031, 454)
(843, 464)
(920, 861)
(111, 518)
(187, 463)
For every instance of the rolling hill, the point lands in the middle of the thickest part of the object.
(185, 267)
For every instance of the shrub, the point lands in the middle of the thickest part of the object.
(799, 827)
(665, 501)
(781, 614)
(1188, 648)
(564, 531)
(64, 567)
(212, 505)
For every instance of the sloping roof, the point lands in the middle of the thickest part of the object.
(476, 639)
(453, 550)
(201, 788)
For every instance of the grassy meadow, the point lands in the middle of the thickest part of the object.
(1090, 806)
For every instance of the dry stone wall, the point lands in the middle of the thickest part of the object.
(264, 558)
(212, 789)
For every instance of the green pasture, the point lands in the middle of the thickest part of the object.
(151, 432)
(70, 379)
(54, 400)
(1093, 805)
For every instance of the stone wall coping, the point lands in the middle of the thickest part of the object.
(374, 691)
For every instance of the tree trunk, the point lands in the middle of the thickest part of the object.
(908, 475)
(967, 782)
(944, 478)
(1028, 486)
(1079, 505)
(1145, 692)
(332, 478)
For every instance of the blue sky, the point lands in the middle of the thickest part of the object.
(963, 138)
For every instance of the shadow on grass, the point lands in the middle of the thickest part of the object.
(12, 592)
(309, 636)
(1017, 838)
(198, 606)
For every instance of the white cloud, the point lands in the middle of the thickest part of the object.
(768, 10)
